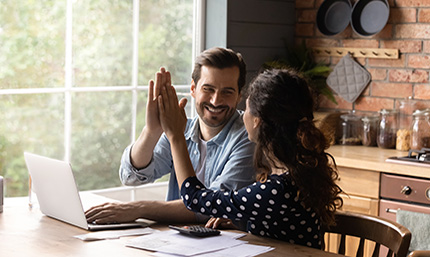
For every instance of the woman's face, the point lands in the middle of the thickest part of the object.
(251, 123)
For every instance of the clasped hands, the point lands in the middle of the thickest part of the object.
(164, 113)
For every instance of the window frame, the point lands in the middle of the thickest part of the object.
(68, 89)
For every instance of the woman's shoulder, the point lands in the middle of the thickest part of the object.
(283, 178)
(281, 182)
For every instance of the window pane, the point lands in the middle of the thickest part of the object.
(142, 97)
(185, 93)
(101, 127)
(165, 39)
(102, 42)
(32, 44)
(33, 123)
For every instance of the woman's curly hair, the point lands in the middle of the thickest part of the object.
(287, 138)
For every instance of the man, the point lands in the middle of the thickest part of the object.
(217, 141)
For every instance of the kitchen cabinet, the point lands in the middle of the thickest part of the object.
(360, 170)
(359, 182)
(361, 190)
(360, 204)
(361, 193)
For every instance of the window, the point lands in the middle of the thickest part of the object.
(73, 80)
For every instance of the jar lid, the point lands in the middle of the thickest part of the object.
(408, 100)
(422, 112)
(388, 111)
(369, 118)
(350, 116)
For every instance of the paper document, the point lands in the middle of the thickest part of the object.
(112, 234)
(233, 235)
(243, 250)
(172, 242)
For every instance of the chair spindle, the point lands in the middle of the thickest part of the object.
(342, 244)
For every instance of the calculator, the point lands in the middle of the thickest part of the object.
(196, 230)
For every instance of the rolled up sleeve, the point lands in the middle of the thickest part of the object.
(129, 175)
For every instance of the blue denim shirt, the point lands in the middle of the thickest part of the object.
(229, 159)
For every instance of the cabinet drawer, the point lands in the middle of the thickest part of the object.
(359, 182)
(405, 188)
(386, 205)
(360, 204)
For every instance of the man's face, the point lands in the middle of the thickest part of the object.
(216, 95)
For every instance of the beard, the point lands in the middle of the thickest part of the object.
(214, 116)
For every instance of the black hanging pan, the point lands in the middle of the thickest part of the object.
(369, 16)
(333, 16)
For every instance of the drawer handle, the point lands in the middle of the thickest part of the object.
(406, 190)
(391, 210)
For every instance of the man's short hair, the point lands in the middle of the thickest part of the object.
(220, 58)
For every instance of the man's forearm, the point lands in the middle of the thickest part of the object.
(141, 151)
(171, 211)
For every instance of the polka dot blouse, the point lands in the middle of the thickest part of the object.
(271, 209)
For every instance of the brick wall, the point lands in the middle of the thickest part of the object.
(408, 29)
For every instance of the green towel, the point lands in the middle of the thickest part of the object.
(419, 225)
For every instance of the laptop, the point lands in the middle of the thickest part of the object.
(58, 195)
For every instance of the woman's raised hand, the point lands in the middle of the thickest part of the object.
(172, 113)
(162, 79)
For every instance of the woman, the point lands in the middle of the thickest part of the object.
(296, 191)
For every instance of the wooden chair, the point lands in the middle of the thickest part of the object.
(371, 228)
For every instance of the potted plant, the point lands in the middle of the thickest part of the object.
(299, 57)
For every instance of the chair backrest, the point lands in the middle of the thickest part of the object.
(367, 227)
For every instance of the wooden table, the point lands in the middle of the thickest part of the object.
(25, 232)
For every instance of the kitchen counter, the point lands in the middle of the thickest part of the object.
(373, 159)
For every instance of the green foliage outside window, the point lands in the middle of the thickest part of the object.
(32, 55)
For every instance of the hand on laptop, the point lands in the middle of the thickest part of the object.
(112, 213)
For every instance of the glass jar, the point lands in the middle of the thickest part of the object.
(420, 137)
(350, 127)
(387, 129)
(403, 139)
(370, 124)
(406, 109)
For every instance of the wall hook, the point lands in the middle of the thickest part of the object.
(385, 53)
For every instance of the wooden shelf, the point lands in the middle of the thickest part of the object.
(384, 53)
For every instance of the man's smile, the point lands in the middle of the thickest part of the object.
(215, 109)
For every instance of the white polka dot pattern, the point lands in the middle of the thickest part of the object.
(272, 209)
